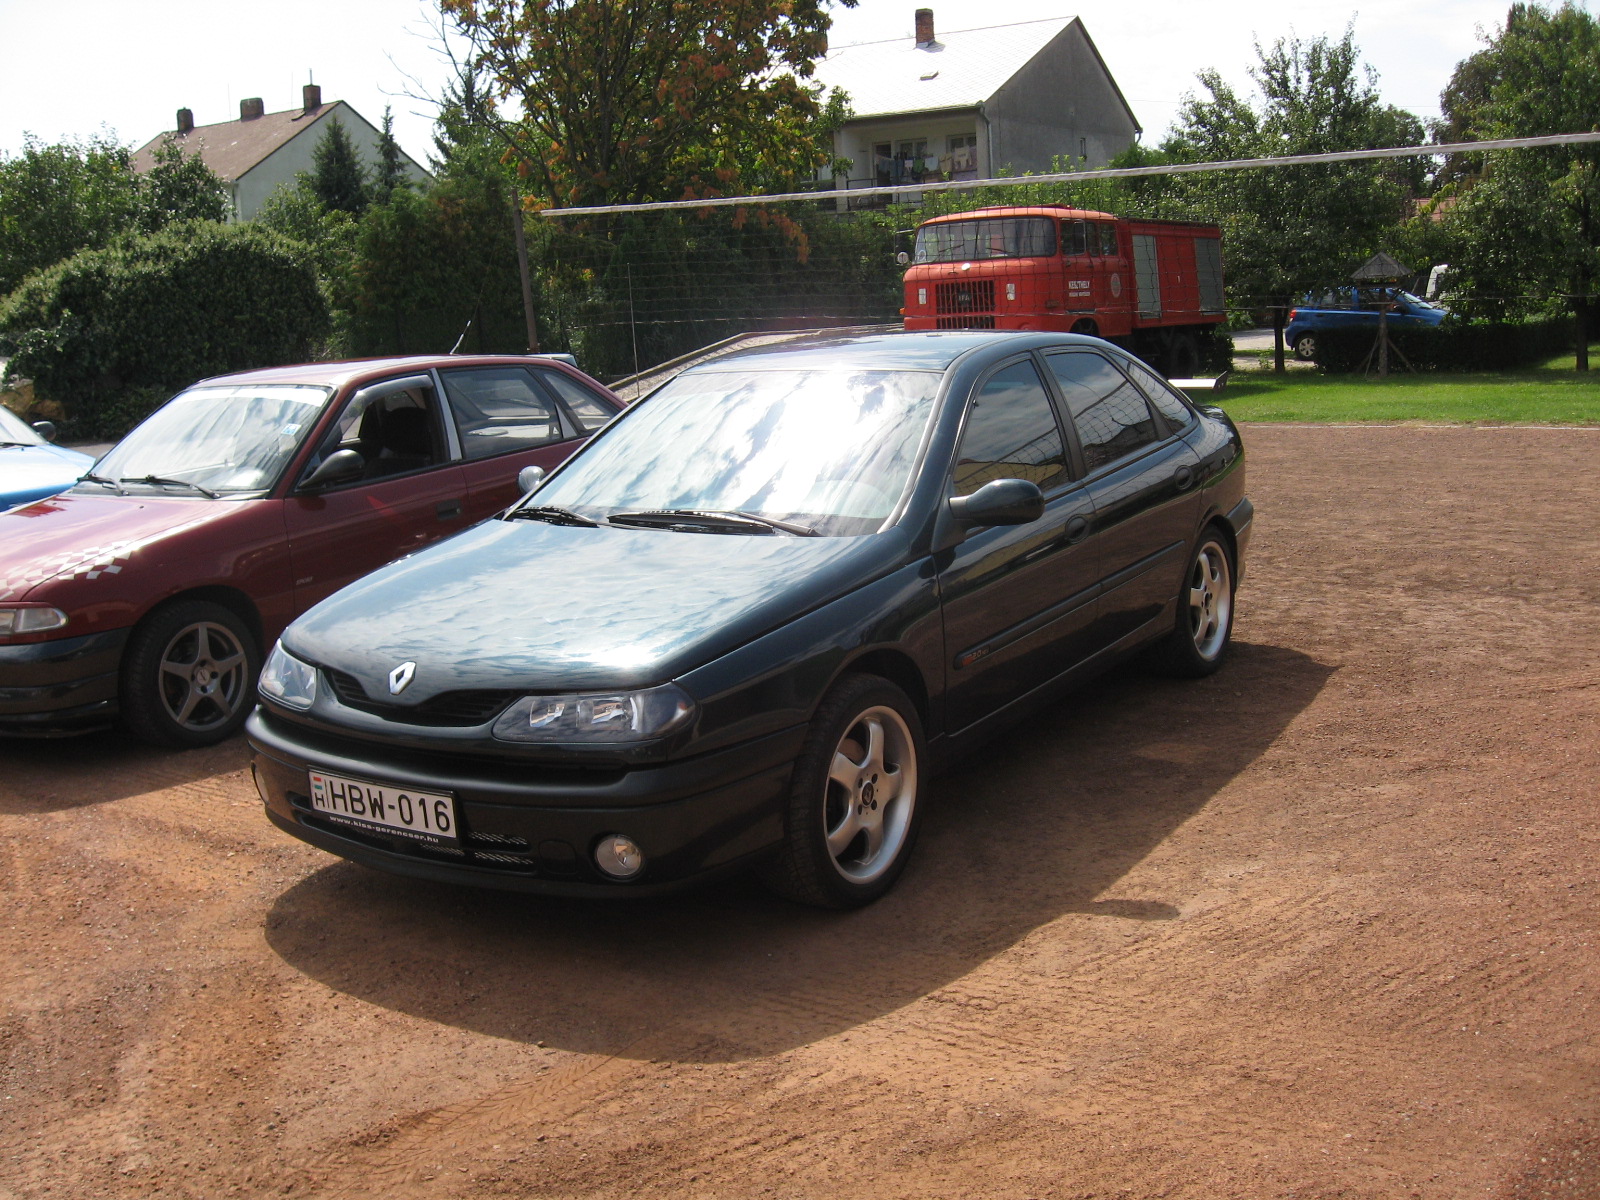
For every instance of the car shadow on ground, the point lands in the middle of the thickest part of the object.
(1039, 824)
(40, 775)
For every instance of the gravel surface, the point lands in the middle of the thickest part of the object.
(1320, 926)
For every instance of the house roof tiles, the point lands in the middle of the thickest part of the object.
(959, 69)
(233, 148)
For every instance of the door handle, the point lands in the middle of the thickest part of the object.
(1183, 478)
(1077, 529)
(447, 510)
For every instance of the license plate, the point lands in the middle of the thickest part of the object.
(428, 817)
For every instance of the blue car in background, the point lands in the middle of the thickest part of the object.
(1357, 308)
(30, 467)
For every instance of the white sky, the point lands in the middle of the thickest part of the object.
(70, 68)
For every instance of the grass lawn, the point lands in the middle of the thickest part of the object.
(1549, 394)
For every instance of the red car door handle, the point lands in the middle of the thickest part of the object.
(447, 510)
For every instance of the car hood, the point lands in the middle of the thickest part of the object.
(84, 534)
(32, 472)
(524, 604)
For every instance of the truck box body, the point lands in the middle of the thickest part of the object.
(1153, 286)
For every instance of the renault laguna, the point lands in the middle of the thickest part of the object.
(742, 625)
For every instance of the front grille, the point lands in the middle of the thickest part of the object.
(974, 322)
(965, 296)
(463, 708)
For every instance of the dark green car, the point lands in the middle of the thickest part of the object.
(744, 623)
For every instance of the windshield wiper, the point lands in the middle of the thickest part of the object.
(678, 518)
(91, 477)
(8, 445)
(554, 515)
(162, 480)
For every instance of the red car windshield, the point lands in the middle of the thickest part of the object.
(222, 439)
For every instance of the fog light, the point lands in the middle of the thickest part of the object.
(261, 788)
(619, 857)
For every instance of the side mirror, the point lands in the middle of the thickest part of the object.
(1000, 502)
(45, 429)
(339, 467)
(529, 478)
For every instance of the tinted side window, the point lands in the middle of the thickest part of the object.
(499, 409)
(1011, 433)
(1110, 414)
(588, 409)
(1167, 402)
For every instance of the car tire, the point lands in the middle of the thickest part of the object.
(1305, 348)
(1203, 625)
(850, 821)
(189, 675)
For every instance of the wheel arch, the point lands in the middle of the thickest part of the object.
(898, 668)
(230, 598)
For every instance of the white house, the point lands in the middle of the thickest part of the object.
(262, 150)
(971, 102)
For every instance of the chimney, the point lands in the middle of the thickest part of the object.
(250, 109)
(924, 26)
(185, 121)
(311, 95)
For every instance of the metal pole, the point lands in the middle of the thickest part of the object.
(522, 269)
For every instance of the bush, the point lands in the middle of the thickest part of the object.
(107, 331)
(1453, 346)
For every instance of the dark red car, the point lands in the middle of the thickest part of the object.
(149, 590)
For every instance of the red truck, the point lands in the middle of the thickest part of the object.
(1153, 287)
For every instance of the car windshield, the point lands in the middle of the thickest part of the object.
(226, 439)
(13, 429)
(988, 237)
(831, 451)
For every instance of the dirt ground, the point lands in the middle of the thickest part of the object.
(1323, 925)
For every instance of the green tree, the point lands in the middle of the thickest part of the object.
(1527, 223)
(653, 99)
(338, 179)
(1288, 229)
(180, 187)
(58, 199)
(391, 173)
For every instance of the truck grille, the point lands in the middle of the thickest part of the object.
(985, 321)
(463, 708)
(964, 296)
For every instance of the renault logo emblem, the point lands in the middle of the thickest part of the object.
(400, 676)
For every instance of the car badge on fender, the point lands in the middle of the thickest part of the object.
(400, 676)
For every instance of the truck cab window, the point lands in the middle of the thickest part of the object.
(1074, 238)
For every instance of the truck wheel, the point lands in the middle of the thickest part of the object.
(1183, 357)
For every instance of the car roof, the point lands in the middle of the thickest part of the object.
(897, 350)
(341, 372)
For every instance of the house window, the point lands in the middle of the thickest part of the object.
(960, 160)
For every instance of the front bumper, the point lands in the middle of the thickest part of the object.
(63, 686)
(532, 828)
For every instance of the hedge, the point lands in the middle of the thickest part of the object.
(1453, 346)
(109, 333)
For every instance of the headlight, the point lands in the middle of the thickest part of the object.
(597, 716)
(287, 680)
(30, 619)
